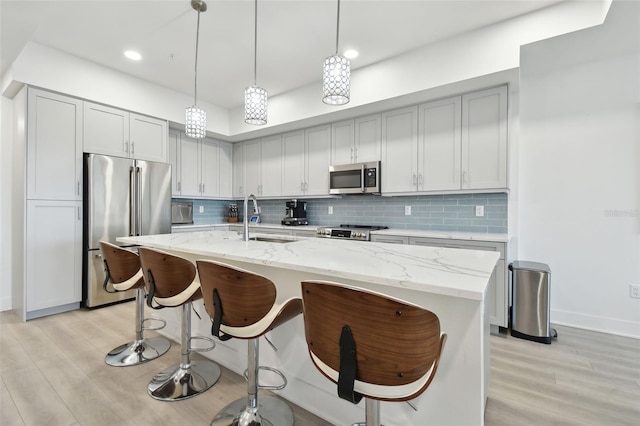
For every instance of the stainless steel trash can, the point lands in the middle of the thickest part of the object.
(530, 301)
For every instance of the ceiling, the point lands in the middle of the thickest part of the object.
(294, 36)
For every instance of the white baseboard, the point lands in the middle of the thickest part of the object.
(601, 324)
(5, 304)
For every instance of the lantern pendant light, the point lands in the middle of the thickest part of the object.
(196, 118)
(255, 97)
(336, 75)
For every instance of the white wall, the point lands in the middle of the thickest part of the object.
(579, 170)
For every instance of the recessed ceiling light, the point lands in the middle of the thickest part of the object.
(351, 54)
(133, 55)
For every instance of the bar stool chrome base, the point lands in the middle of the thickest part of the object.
(270, 411)
(137, 352)
(179, 382)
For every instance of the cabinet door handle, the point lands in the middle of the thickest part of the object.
(132, 147)
(126, 147)
(78, 209)
(355, 154)
(179, 186)
(203, 188)
(352, 156)
(420, 181)
(78, 189)
(415, 180)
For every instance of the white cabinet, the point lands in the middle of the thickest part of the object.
(174, 144)
(317, 146)
(238, 170)
(356, 141)
(51, 233)
(306, 161)
(225, 153)
(367, 143)
(484, 139)
(54, 146)
(294, 154)
(453, 144)
(112, 131)
(252, 153)
(498, 291)
(53, 256)
(200, 167)
(342, 142)
(389, 239)
(271, 166)
(400, 150)
(439, 145)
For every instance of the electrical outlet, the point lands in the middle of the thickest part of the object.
(407, 210)
(634, 291)
(479, 211)
(201, 209)
(330, 210)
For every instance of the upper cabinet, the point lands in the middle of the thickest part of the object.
(458, 143)
(400, 150)
(439, 145)
(54, 146)
(306, 162)
(200, 167)
(484, 139)
(112, 131)
(356, 141)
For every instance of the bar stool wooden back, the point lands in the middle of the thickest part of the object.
(370, 345)
(171, 281)
(243, 305)
(122, 273)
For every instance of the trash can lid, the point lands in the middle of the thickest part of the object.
(530, 266)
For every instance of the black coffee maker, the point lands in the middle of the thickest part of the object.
(296, 213)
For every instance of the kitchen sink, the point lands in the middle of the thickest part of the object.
(273, 239)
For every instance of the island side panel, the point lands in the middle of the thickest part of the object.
(456, 396)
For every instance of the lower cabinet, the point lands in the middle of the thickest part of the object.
(498, 291)
(53, 272)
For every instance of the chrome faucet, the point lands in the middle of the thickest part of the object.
(245, 223)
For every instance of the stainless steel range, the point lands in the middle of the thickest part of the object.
(349, 232)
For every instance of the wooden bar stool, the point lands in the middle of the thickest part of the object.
(243, 305)
(370, 345)
(122, 273)
(171, 282)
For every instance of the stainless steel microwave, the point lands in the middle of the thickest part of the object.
(357, 178)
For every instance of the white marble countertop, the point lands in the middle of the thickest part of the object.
(469, 236)
(445, 271)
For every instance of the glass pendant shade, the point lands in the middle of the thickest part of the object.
(255, 105)
(336, 78)
(196, 122)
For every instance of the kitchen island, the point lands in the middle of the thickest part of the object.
(452, 283)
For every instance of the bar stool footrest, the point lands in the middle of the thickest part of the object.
(137, 352)
(271, 411)
(206, 349)
(160, 327)
(269, 387)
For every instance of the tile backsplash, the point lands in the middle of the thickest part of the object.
(453, 212)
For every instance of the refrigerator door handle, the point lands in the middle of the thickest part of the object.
(138, 202)
(132, 201)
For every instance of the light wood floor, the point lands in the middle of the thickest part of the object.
(52, 372)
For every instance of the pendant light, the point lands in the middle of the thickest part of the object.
(196, 118)
(336, 75)
(255, 97)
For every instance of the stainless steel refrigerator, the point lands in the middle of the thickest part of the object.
(122, 197)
